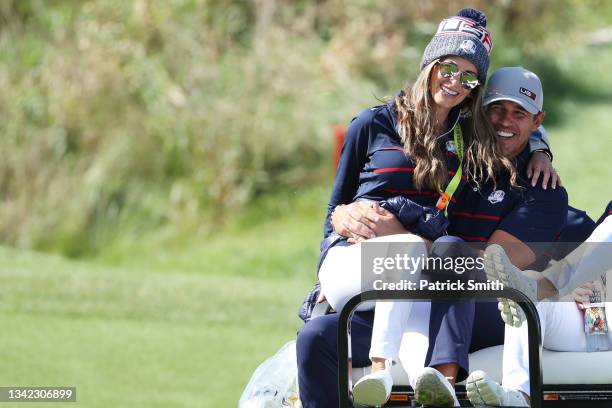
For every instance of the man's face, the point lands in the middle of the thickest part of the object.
(513, 125)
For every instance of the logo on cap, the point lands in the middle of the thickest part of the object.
(468, 46)
(528, 93)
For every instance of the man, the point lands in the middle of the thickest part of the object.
(584, 264)
(562, 321)
(561, 279)
(516, 219)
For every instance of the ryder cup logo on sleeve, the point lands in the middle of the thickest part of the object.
(496, 197)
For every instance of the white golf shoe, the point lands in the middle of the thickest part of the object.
(483, 391)
(498, 267)
(373, 389)
(432, 388)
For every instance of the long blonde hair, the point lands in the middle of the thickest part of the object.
(483, 161)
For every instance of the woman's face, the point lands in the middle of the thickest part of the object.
(448, 92)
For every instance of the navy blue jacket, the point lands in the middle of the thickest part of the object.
(373, 164)
(531, 214)
(607, 212)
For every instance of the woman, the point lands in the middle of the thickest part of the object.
(405, 147)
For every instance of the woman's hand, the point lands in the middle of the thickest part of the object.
(540, 163)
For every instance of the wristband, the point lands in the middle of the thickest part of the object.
(546, 152)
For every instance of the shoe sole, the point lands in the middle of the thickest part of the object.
(430, 390)
(495, 268)
(370, 392)
(480, 391)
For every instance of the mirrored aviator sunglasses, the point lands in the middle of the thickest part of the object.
(468, 80)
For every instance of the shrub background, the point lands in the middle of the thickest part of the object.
(122, 120)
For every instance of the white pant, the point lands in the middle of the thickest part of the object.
(586, 263)
(393, 319)
(562, 330)
(341, 278)
(415, 341)
(562, 322)
(341, 275)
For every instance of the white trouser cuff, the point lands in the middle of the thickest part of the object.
(522, 386)
(389, 325)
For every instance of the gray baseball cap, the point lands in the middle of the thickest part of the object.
(515, 84)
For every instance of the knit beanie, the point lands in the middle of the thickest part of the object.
(463, 35)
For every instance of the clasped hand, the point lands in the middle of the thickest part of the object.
(363, 220)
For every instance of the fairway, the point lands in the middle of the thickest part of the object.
(127, 338)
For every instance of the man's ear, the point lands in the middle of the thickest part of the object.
(538, 119)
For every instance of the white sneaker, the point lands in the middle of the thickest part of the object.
(483, 391)
(511, 312)
(432, 388)
(373, 389)
(498, 267)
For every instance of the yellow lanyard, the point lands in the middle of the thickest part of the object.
(446, 195)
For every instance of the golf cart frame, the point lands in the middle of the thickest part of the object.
(534, 333)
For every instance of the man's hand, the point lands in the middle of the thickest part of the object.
(354, 221)
(581, 294)
(386, 223)
(365, 220)
(539, 163)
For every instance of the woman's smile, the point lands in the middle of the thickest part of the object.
(449, 91)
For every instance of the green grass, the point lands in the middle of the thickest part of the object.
(162, 323)
(581, 145)
(133, 337)
(274, 237)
